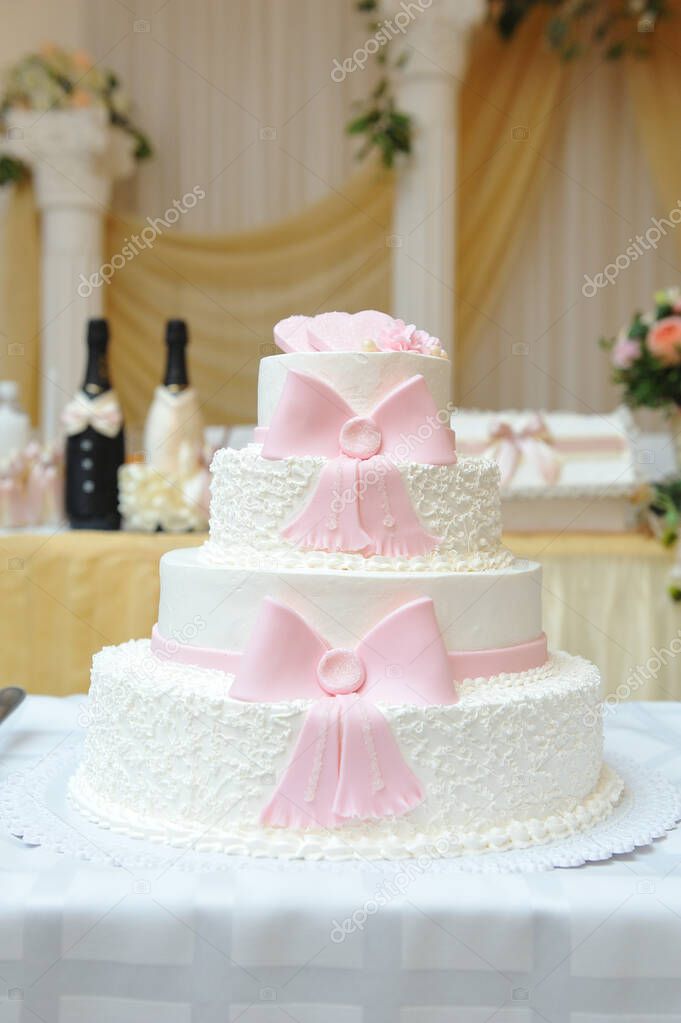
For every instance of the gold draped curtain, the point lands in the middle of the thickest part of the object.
(655, 86)
(232, 288)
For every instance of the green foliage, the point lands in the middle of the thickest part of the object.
(665, 504)
(613, 27)
(382, 125)
(11, 170)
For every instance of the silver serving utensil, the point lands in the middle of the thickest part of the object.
(10, 698)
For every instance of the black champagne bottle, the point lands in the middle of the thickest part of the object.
(92, 457)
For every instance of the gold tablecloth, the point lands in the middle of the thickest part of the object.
(64, 596)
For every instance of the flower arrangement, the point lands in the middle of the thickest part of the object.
(58, 79)
(615, 27)
(646, 360)
(177, 502)
(646, 356)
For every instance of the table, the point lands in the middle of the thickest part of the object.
(84, 944)
(65, 595)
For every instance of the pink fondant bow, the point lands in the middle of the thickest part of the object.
(360, 503)
(533, 442)
(346, 763)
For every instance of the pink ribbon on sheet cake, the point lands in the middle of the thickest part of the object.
(532, 442)
(346, 763)
(360, 503)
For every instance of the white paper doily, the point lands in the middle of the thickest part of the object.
(35, 808)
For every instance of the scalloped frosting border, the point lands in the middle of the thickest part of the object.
(212, 554)
(351, 843)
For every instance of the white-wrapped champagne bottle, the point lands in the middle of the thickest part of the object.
(173, 433)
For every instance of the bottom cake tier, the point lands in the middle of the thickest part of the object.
(170, 757)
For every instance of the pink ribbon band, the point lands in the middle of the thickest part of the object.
(464, 663)
(196, 656)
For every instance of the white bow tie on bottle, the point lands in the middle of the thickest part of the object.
(102, 413)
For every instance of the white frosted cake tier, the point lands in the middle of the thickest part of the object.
(254, 498)
(216, 607)
(360, 378)
(170, 757)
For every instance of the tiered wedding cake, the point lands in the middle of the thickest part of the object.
(352, 665)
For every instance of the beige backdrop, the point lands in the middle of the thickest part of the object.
(555, 179)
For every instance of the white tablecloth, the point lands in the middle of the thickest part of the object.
(84, 944)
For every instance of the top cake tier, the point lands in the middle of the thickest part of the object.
(354, 464)
(361, 379)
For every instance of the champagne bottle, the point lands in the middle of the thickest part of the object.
(176, 378)
(173, 433)
(95, 445)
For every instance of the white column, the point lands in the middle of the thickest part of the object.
(74, 157)
(425, 211)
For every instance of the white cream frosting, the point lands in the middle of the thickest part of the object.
(253, 498)
(475, 610)
(169, 756)
(360, 378)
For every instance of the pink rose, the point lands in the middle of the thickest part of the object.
(625, 352)
(404, 337)
(395, 337)
(664, 340)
